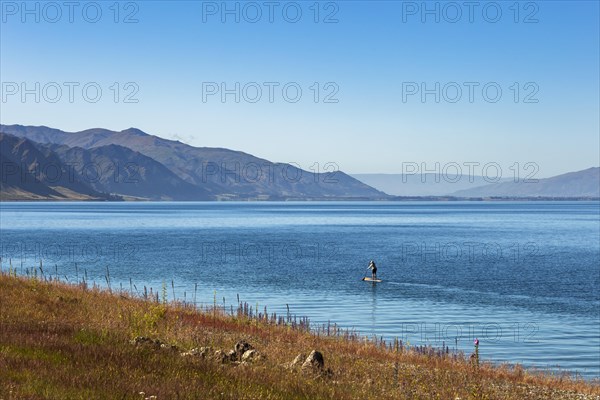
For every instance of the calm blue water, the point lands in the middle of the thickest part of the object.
(523, 277)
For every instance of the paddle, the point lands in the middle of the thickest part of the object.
(365, 274)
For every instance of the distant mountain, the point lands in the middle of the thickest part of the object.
(212, 173)
(28, 172)
(579, 184)
(428, 184)
(117, 169)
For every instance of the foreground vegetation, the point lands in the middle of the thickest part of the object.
(60, 341)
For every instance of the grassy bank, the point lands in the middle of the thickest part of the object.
(60, 341)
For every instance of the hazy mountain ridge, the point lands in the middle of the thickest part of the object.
(427, 184)
(193, 173)
(579, 184)
(585, 183)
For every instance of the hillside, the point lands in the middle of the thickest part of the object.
(579, 184)
(221, 173)
(28, 172)
(117, 169)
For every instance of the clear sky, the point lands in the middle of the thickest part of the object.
(371, 62)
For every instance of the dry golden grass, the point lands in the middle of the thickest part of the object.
(60, 341)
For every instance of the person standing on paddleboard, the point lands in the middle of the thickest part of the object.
(373, 269)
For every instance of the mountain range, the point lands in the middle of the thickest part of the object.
(131, 164)
(425, 184)
(42, 163)
(580, 184)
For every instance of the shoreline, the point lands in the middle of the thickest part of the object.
(426, 199)
(34, 306)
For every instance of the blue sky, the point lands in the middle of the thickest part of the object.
(370, 58)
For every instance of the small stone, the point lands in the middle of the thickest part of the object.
(220, 356)
(314, 361)
(298, 360)
(204, 351)
(171, 347)
(249, 355)
(241, 347)
(231, 355)
(140, 340)
(192, 352)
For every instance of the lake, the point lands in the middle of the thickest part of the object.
(522, 277)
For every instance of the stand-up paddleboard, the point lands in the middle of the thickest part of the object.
(371, 280)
